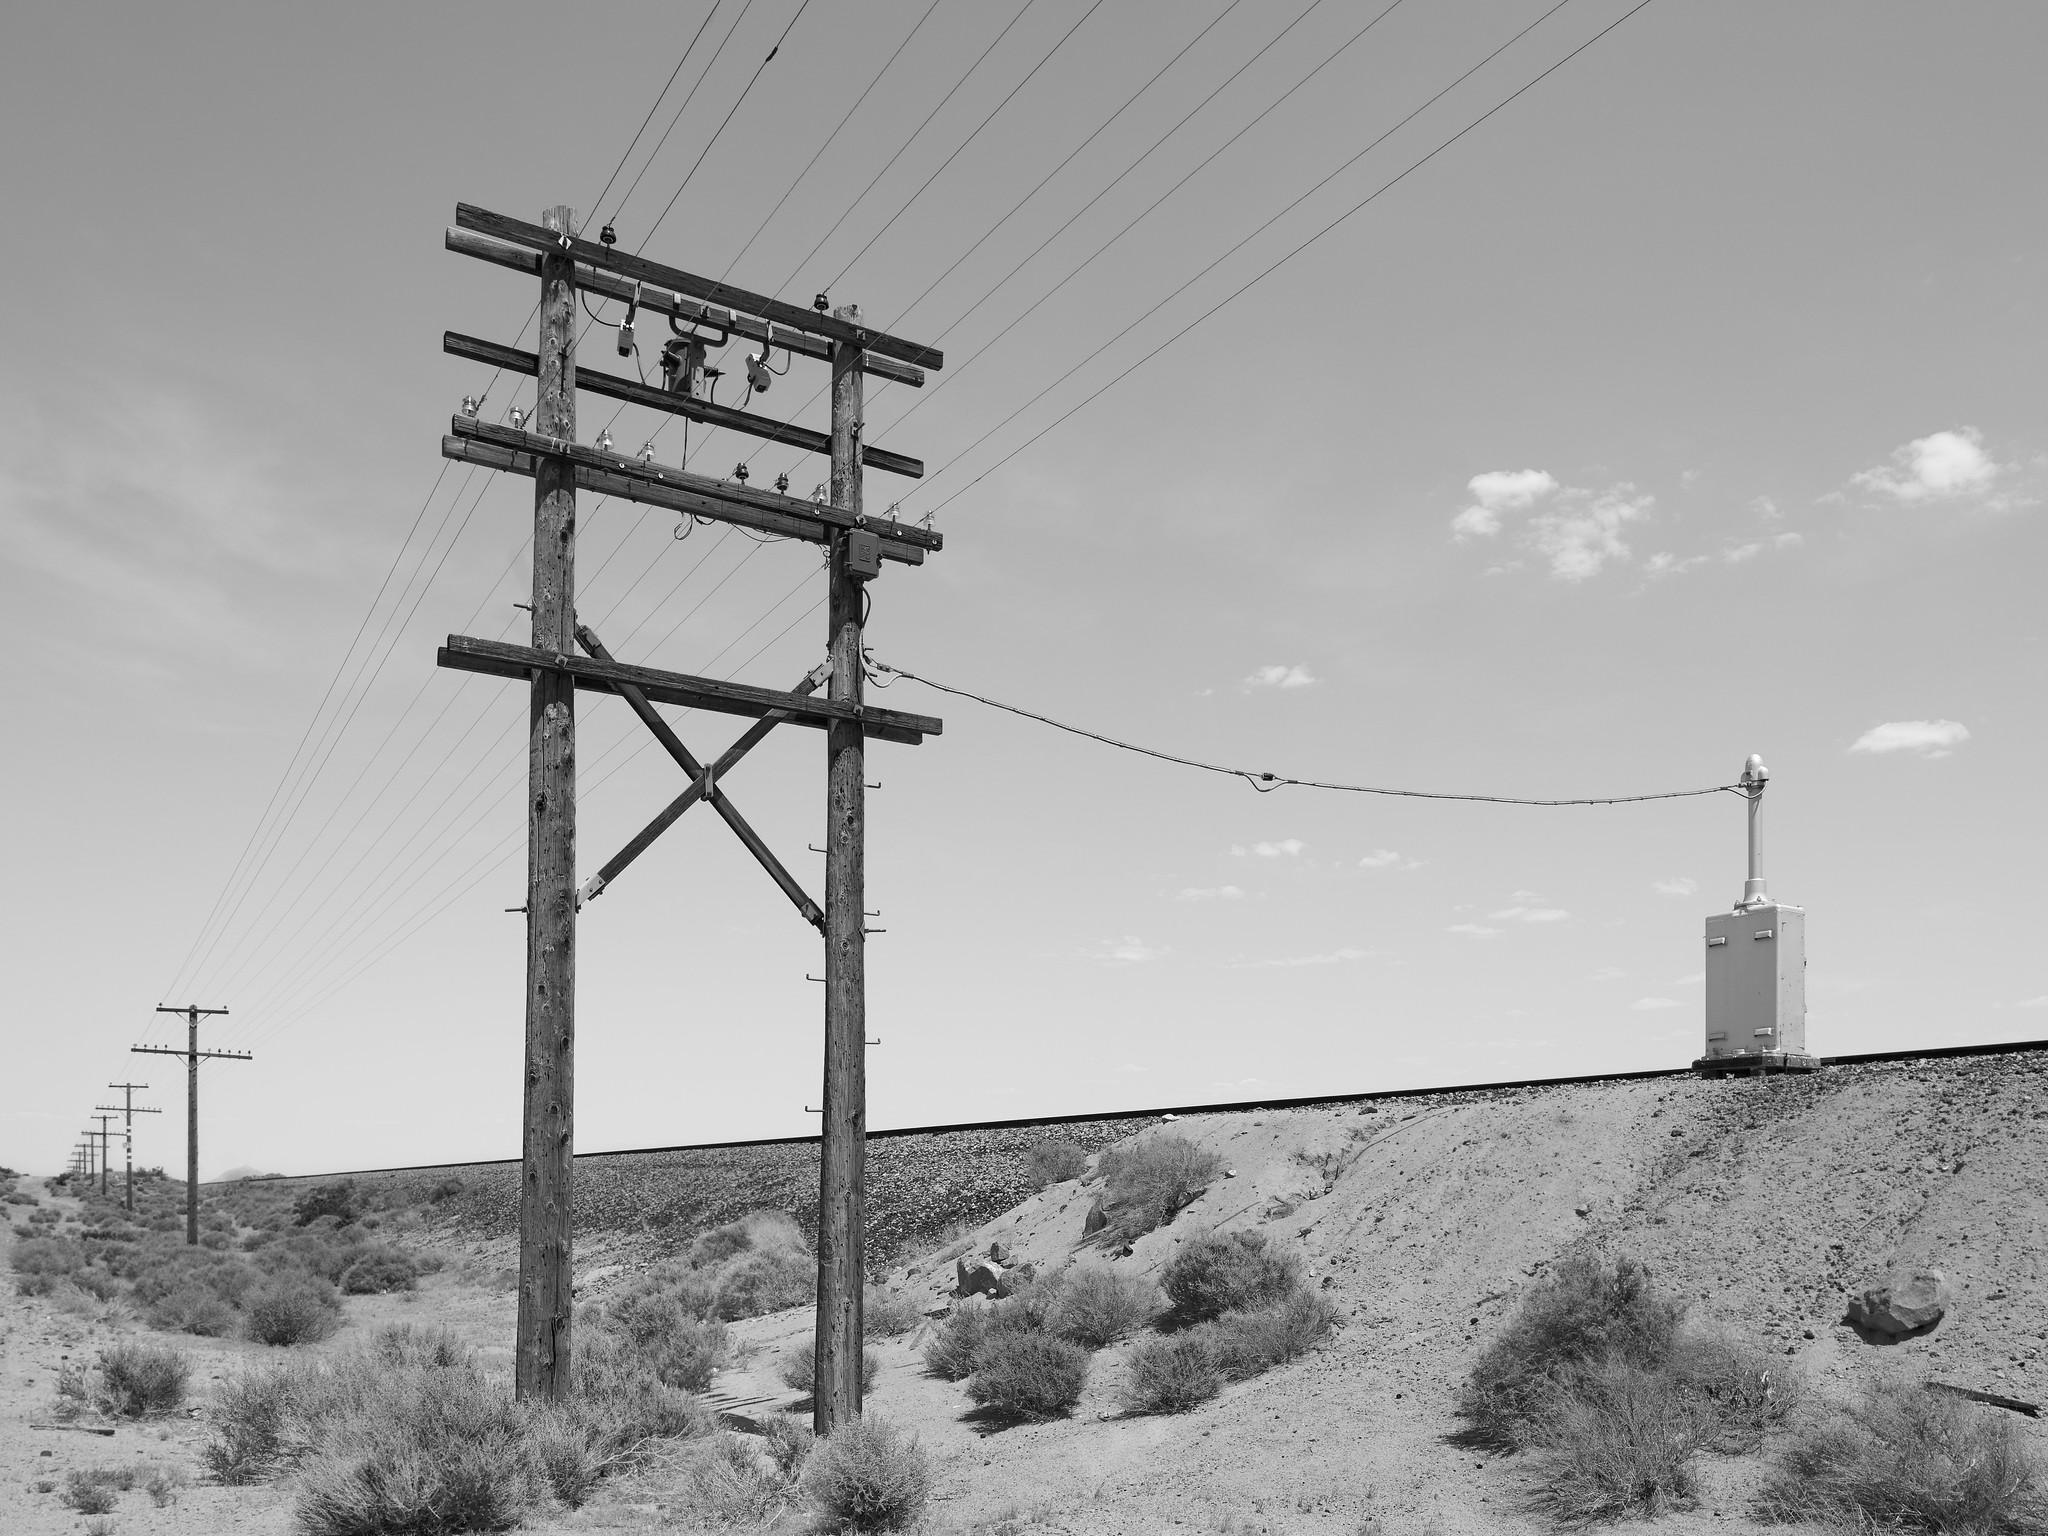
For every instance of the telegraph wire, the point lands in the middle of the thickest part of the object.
(653, 107)
(961, 147)
(1265, 782)
(920, 128)
(690, 96)
(829, 139)
(802, 6)
(1268, 271)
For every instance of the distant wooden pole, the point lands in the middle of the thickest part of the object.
(128, 1110)
(193, 1056)
(542, 1356)
(842, 1163)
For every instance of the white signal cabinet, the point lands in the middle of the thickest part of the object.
(1756, 982)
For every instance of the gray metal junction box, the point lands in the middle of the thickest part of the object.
(1756, 984)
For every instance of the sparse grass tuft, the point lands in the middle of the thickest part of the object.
(1025, 1374)
(1172, 1374)
(1619, 1442)
(1222, 1272)
(869, 1476)
(1149, 1182)
(87, 1493)
(1906, 1459)
(144, 1379)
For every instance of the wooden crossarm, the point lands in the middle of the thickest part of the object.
(611, 259)
(495, 658)
(725, 499)
(633, 392)
(661, 301)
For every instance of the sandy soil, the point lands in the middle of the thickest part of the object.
(1425, 1220)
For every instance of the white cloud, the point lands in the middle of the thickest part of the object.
(1652, 1004)
(1280, 677)
(1681, 885)
(2033, 1002)
(1529, 915)
(1930, 738)
(1667, 564)
(1607, 973)
(1690, 979)
(1477, 930)
(1210, 893)
(1387, 858)
(1581, 531)
(1334, 957)
(1287, 847)
(1130, 950)
(1498, 491)
(1938, 467)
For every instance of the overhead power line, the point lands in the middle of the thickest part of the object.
(1266, 782)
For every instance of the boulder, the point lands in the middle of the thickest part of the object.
(977, 1277)
(999, 1251)
(1096, 1219)
(1906, 1301)
(1015, 1279)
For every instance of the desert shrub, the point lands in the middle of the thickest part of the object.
(1148, 1183)
(1246, 1344)
(192, 1309)
(380, 1269)
(340, 1201)
(162, 1485)
(444, 1451)
(1095, 1307)
(1222, 1272)
(1618, 1441)
(799, 1370)
(665, 1291)
(869, 1476)
(1051, 1162)
(623, 1403)
(1027, 1375)
(788, 1441)
(447, 1189)
(1906, 1459)
(97, 1283)
(766, 1280)
(1583, 1313)
(293, 1310)
(886, 1314)
(680, 1344)
(16, 1197)
(87, 1494)
(142, 1379)
(1736, 1389)
(41, 1264)
(719, 1244)
(414, 1346)
(1171, 1374)
(957, 1341)
(735, 1485)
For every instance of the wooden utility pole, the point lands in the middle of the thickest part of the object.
(103, 1133)
(542, 1366)
(193, 1056)
(129, 1110)
(700, 312)
(843, 1135)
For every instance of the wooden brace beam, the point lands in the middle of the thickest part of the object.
(607, 258)
(518, 259)
(495, 658)
(633, 392)
(707, 787)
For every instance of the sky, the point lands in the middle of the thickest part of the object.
(1690, 405)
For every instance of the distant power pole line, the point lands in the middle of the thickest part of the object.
(103, 1133)
(193, 1056)
(700, 313)
(129, 1110)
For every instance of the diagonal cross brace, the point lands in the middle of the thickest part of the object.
(704, 786)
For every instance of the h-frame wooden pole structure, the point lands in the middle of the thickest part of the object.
(700, 312)
(193, 1056)
(129, 1109)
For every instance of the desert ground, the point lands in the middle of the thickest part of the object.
(1425, 1220)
